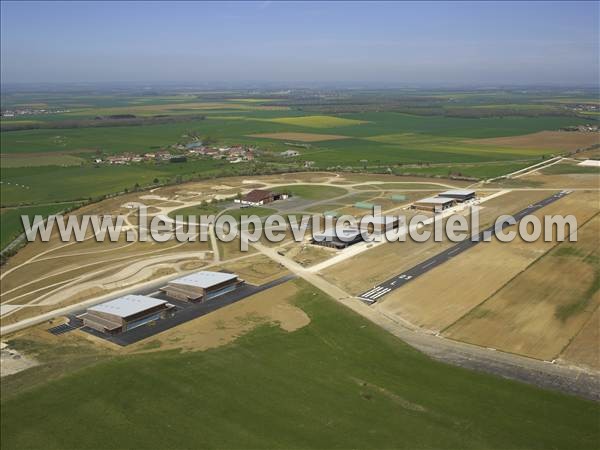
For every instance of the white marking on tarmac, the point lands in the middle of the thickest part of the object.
(372, 291)
(379, 294)
(429, 264)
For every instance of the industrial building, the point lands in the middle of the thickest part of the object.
(434, 204)
(201, 286)
(460, 195)
(125, 313)
(258, 197)
(329, 238)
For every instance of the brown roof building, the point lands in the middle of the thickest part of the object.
(258, 197)
(434, 204)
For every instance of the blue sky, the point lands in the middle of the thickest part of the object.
(443, 43)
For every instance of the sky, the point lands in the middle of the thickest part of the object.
(398, 43)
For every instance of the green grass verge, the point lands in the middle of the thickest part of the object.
(564, 169)
(10, 219)
(54, 183)
(50, 159)
(481, 171)
(259, 211)
(312, 192)
(339, 382)
(317, 121)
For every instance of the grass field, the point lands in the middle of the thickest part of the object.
(569, 168)
(454, 145)
(309, 388)
(54, 183)
(546, 140)
(301, 137)
(11, 219)
(312, 192)
(259, 211)
(318, 121)
(9, 160)
(481, 170)
(40, 166)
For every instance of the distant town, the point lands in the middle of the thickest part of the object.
(179, 153)
(30, 112)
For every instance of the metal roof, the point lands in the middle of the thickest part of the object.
(437, 200)
(128, 305)
(457, 192)
(205, 279)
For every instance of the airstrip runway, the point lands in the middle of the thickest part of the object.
(373, 295)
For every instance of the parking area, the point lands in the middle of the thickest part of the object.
(184, 312)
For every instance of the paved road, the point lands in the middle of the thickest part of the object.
(373, 295)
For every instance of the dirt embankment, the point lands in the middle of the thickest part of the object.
(227, 324)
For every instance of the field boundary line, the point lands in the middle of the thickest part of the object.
(562, 350)
(511, 279)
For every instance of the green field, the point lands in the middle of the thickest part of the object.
(36, 160)
(559, 169)
(237, 212)
(339, 382)
(213, 209)
(56, 164)
(467, 170)
(11, 219)
(312, 192)
(317, 121)
(54, 183)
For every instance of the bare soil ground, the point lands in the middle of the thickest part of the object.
(443, 295)
(255, 270)
(588, 154)
(307, 255)
(563, 181)
(551, 140)
(226, 324)
(302, 137)
(539, 310)
(12, 361)
(369, 268)
(357, 274)
(584, 348)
